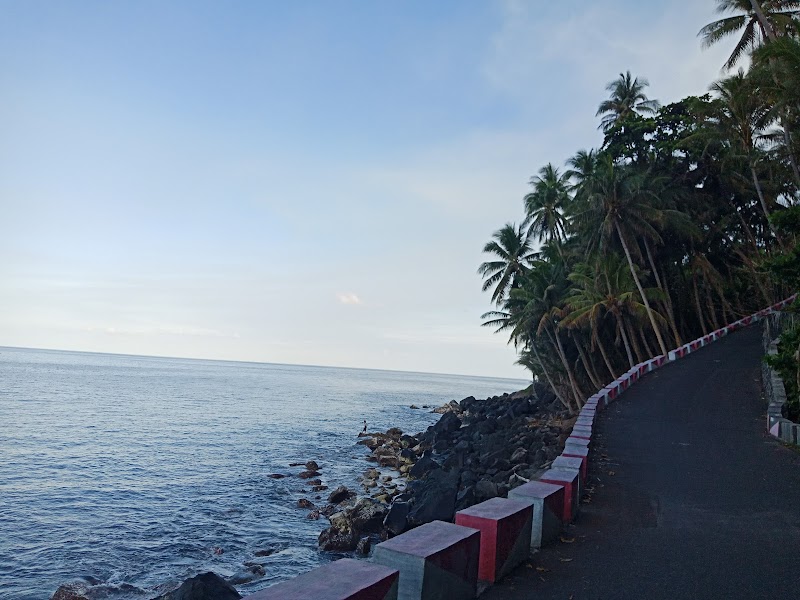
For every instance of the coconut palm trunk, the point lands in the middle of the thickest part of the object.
(549, 378)
(763, 201)
(645, 301)
(587, 365)
(668, 297)
(573, 382)
(603, 353)
(625, 341)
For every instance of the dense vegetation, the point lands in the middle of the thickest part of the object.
(664, 233)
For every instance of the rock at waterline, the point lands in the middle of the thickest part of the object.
(339, 494)
(364, 544)
(305, 503)
(71, 591)
(207, 586)
(308, 474)
(251, 572)
(276, 476)
(312, 466)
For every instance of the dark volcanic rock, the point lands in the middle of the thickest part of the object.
(396, 520)
(339, 494)
(308, 474)
(207, 586)
(312, 466)
(364, 544)
(447, 424)
(435, 499)
(423, 466)
(71, 591)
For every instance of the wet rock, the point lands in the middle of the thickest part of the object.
(308, 474)
(276, 475)
(251, 572)
(305, 503)
(336, 540)
(372, 473)
(314, 482)
(395, 520)
(364, 544)
(265, 552)
(414, 406)
(312, 466)
(313, 515)
(319, 488)
(207, 586)
(340, 494)
(71, 591)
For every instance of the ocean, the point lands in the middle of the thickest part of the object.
(134, 473)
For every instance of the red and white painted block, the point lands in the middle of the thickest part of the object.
(577, 441)
(571, 480)
(583, 454)
(694, 345)
(584, 421)
(435, 560)
(746, 320)
(344, 579)
(505, 526)
(570, 462)
(547, 501)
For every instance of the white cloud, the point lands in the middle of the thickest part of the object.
(348, 298)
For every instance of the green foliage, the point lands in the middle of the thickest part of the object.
(786, 363)
(681, 222)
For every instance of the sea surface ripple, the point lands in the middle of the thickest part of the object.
(129, 471)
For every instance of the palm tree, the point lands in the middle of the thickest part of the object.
(511, 247)
(743, 118)
(627, 99)
(758, 22)
(545, 206)
(619, 204)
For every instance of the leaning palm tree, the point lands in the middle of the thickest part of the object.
(758, 22)
(545, 206)
(627, 98)
(619, 204)
(513, 252)
(743, 119)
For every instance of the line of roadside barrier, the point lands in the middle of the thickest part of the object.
(488, 540)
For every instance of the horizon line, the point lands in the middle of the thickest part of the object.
(256, 362)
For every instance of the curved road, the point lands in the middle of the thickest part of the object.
(689, 496)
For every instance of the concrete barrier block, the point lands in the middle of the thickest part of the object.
(505, 526)
(584, 421)
(583, 454)
(584, 430)
(435, 560)
(577, 442)
(344, 579)
(547, 501)
(571, 480)
(570, 462)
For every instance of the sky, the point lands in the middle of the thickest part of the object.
(304, 182)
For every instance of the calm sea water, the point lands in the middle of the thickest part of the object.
(129, 470)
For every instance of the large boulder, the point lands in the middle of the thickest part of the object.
(340, 494)
(448, 423)
(396, 520)
(206, 586)
(71, 591)
(435, 498)
(422, 467)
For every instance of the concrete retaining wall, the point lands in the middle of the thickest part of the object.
(774, 390)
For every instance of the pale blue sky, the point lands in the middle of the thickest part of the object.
(301, 182)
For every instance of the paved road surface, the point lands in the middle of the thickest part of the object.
(692, 499)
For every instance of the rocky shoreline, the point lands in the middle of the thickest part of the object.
(478, 449)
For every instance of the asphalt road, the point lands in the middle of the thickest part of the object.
(688, 495)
